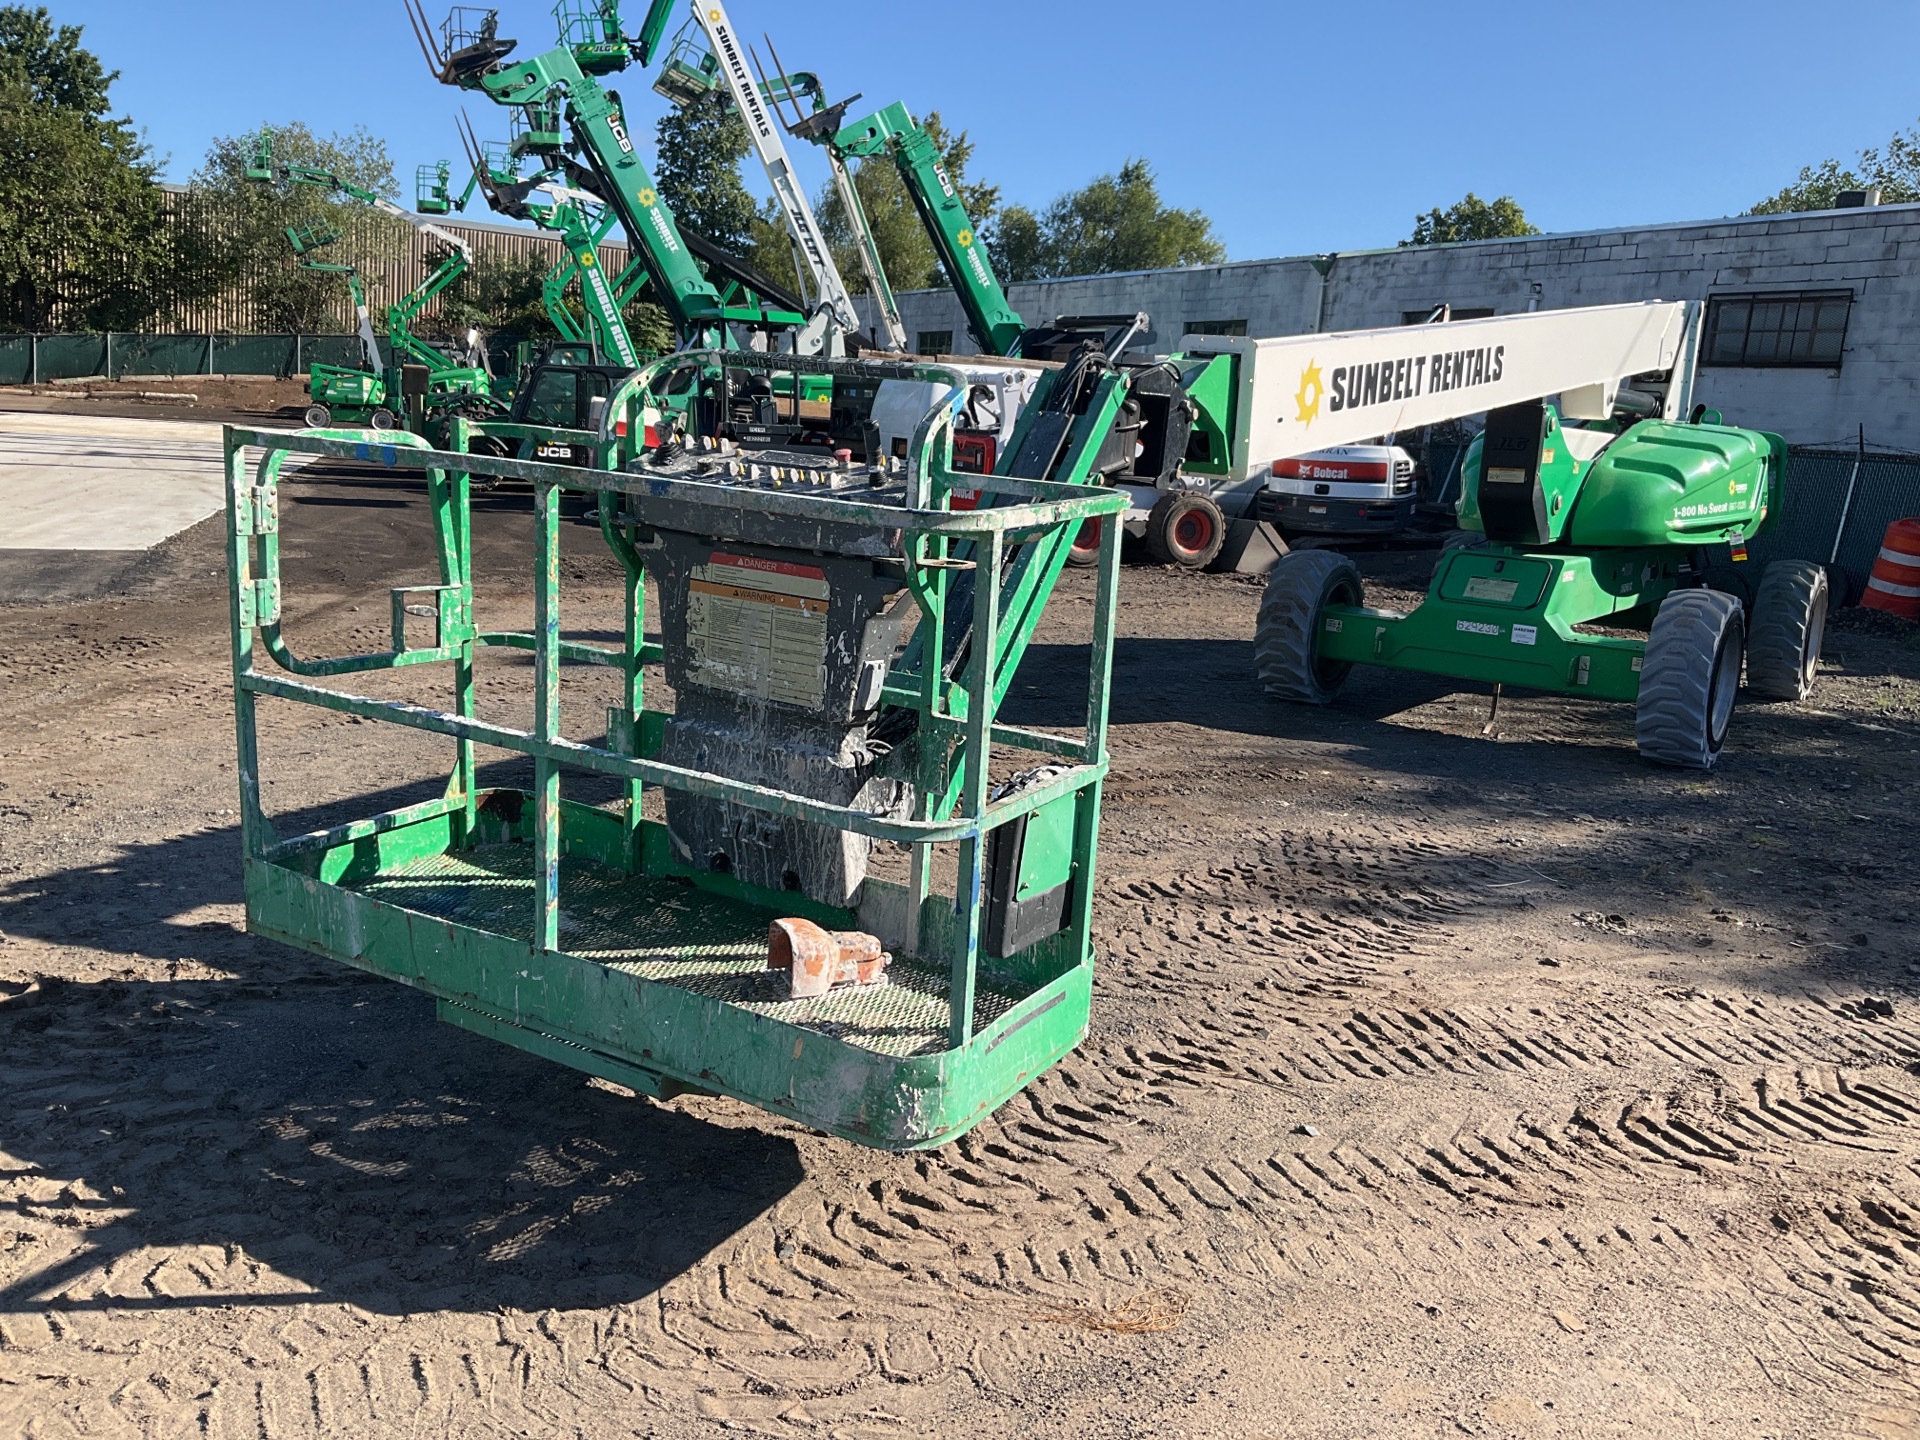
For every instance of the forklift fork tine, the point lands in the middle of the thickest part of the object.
(781, 69)
(416, 17)
(780, 113)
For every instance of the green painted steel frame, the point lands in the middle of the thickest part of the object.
(1532, 642)
(656, 1036)
(894, 133)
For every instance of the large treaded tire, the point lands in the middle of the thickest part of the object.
(1300, 588)
(1689, 677)
(1789, 625)
(1186, 529)
(318, 417)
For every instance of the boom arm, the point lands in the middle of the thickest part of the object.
(600, 132)
(402, 314)
(1301, 393)
(893, 132)
(600, 295)
(765, 135)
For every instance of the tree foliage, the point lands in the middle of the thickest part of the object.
(501, 297)
(906, 254)
(701, 146)
(1895, 170)
(1117, 222)
(83, 241)
(1471, 218)
(240, 225)
(58, 71)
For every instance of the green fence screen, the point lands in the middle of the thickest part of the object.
(31, 359)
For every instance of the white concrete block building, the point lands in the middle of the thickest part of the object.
(1813, 327)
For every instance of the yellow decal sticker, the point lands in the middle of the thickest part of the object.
(1310, 386)
(647, 197)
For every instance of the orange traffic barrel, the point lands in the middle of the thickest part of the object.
(1894, 585)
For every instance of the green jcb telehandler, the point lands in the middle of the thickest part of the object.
(1566, 527)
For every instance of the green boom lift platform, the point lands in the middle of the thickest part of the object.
(838, 640)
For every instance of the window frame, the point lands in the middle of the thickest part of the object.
(921, 337)
(1717, 306)
(1462, 312)
(1229, 329)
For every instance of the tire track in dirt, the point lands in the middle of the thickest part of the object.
(1090, 1178)
(1262, 982)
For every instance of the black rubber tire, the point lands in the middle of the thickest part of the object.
(382, 418)
(1085, 549)
(1789, 624)
(1689, 678)
(1299, 590)
(1185, 529)
(318, 417)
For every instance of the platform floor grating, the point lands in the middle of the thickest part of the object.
(671, 932)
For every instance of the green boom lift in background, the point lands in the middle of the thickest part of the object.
(377, 394)
(1571, 532)
(566, 107)
(582, 224)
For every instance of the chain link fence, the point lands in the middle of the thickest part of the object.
(39, 359)
(1835, 507)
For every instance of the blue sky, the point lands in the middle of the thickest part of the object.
(1298, 128)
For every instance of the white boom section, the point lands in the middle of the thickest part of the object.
(369, 342)
(1301, 393)
(787, 190)
(425, 227)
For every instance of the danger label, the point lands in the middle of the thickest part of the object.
(759, 627)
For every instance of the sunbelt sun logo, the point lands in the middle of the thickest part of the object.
(1310, 393)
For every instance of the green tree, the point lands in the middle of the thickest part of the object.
(50, 61)
(1471, 218)
(83, 238)
(506, 300)
(240, 225)
(1895, 170)
(1117, 222)
(906, 254)
(698, 170)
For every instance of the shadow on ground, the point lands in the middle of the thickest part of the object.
(326, 1124)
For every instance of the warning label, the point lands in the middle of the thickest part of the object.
(1485, 587)
(759, 627)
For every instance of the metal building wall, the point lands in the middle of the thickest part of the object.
(1869, 252)
(393, 258)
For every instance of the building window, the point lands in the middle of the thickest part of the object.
(1457, 312)
(1215, 327)
(1804, 330)
(935, 342)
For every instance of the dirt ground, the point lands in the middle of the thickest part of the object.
(1439, 1083)
(235, 399)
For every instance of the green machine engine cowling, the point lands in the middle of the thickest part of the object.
(1656, 482)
